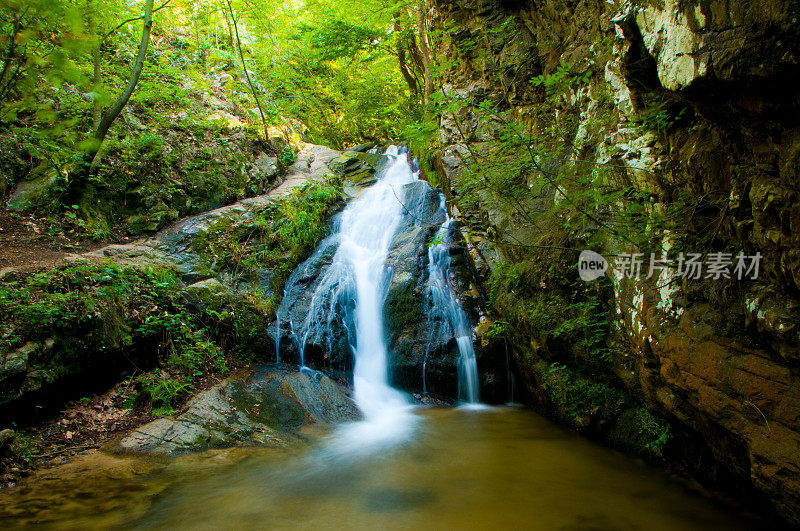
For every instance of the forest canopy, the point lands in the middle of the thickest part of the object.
(91, 89)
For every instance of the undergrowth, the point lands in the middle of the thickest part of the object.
(93, 321)
(276, 239)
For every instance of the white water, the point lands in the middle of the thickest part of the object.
(353, 289)
(447, 312)
(357, 281)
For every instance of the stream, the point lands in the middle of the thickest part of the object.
(496, 468)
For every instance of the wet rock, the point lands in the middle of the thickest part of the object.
(332, 340)
(424, 352)
(359, 169)
(266, 407)
(6, 438)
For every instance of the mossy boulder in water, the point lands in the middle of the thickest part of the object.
(265, 407)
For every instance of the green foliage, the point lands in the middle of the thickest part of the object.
(658, 117)
(538, 299)
(600, 407)
(560, 80)
(639, 431)
(25, 448)
(422, 138)
(576, 397)
(111, 315)
(327, 69)
(277, 238)
(161, 393)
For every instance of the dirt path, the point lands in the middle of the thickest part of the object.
(26, 246)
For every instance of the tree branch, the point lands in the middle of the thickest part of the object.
(112, 112)
(246, 73)
(134, 19)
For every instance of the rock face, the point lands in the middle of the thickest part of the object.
(267, 407)
(414, 346)
(681, 100)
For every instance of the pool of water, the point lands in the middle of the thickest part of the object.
(490, 469)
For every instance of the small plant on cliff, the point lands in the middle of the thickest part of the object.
(659, 117)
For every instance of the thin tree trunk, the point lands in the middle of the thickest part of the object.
(96, 47)
(96, 79)
(10, 55)
(411, 81)
(111, 114)
(246, 73)
(422, 28)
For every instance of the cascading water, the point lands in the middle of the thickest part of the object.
(355, 285)
(335, 302)
(446, 310)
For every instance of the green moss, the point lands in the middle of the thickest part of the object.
(576, 398)
(107, 318)
(402, 309)
(271, 406)
(598, 407)
(276, 239)
(540, 299)
(638, 431)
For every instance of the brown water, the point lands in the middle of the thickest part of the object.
(503, 468)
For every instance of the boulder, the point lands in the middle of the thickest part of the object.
(263, 170)
(16, 362)
(34, 191)
(266, 407)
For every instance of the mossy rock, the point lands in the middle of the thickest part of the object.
(265, 407)
(403, 309)
(639, 431)
(151, 221)
(33, 192)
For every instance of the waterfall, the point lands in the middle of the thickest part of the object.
(342, 291)
(446, 311)
(355, 286)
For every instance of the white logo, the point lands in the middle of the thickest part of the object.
(591, 265)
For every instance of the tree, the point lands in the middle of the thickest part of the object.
(112, 112)
(235, 26)
(422, 28)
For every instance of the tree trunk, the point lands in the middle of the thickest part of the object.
(411, 81)
(10, 55)
(422, 28)
(246, 73)
(110, 114)
(96, 47)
